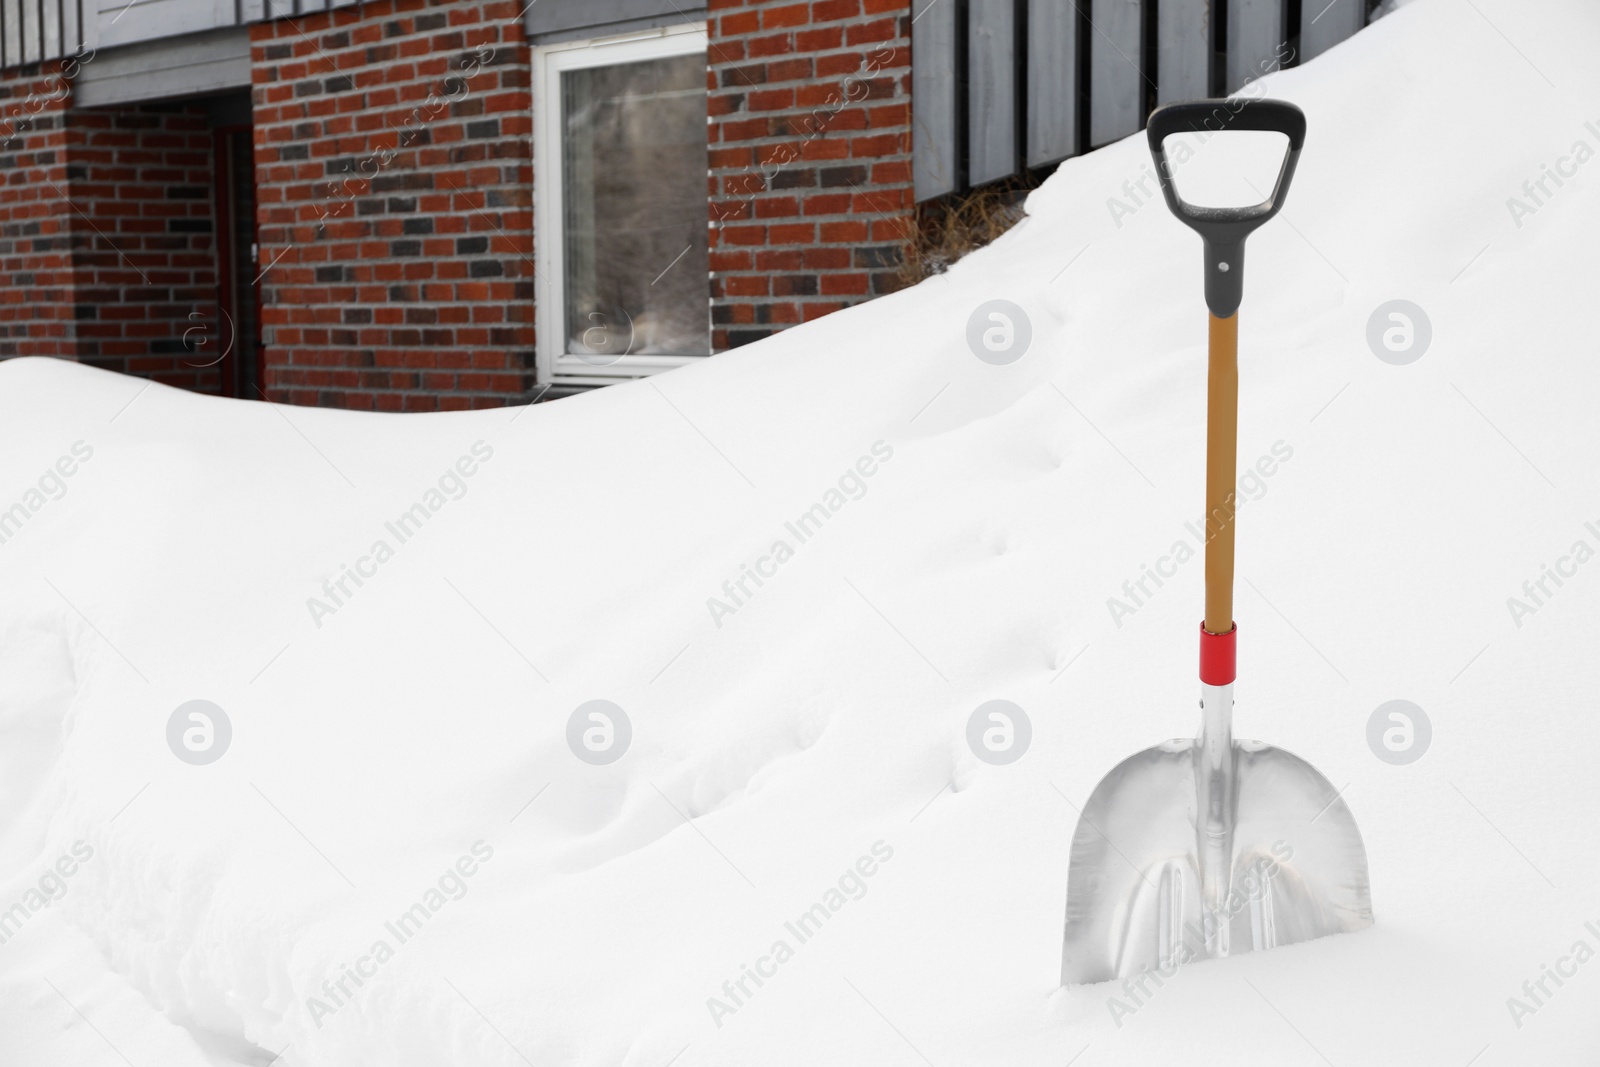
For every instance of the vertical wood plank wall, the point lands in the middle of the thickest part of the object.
(1116, 69)
(35, 30)
(1183, 50)
(935, 109)
(1052, 89)
(10, 32)
(998, 85)
(991, 90)
(1324, 24)
(1255, 30)
(988, 73)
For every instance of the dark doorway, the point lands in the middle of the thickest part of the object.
(238, 292)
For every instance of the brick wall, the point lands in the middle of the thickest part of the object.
(810, 152)
(105, 232)
(146, 275)
(36, 221)
(394, 177)
(395, 187)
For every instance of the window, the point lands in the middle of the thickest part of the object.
(621, 201)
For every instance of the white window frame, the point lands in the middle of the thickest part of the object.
(550, 62)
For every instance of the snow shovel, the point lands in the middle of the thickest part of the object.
(1204, 848)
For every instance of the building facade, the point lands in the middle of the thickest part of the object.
(411, 205)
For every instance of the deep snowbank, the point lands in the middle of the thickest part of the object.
(416, 725)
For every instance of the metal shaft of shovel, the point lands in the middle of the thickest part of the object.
(1206, 847)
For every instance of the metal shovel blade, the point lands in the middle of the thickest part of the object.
(1204, 848)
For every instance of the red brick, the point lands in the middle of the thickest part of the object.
(816, 311)
(835, 10)
(780, 260)
(883, 144)
(744, 235)
(825, 148)
(726, 261)
(747, 285)
(777, 207)
(793, 233)
(746, 130)
(777, 44)
(828, 204)
(730, 157)
(844, 232)
(867, 33)
(892, 173)
(788, 70)
(724, 211)
(776, 156)
(819, 39)
(841, 284)
(891, 115)
(770, 99)
(787, 15)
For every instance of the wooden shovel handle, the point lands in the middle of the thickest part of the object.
(1222, 232)
(1222, 449)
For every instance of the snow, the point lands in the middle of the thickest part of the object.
(782, 750)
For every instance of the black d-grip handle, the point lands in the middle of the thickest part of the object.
(1224, 228)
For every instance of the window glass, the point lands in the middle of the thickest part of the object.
(635, 217)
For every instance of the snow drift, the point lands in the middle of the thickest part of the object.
(399, 772)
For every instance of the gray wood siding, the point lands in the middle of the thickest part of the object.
(34, 30)
(1183, 50)
(935, 141)
(1116, 74)
(1052, 97)
(119, 22)
(197, 63)
(10, 32)
(1052, 81)
(1324, 24)
(50, 17)
(1255, 40)
(31, 52)
(575, 19)
(991, 90)
(71, 28)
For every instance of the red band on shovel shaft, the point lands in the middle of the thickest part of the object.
(1218, 664)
